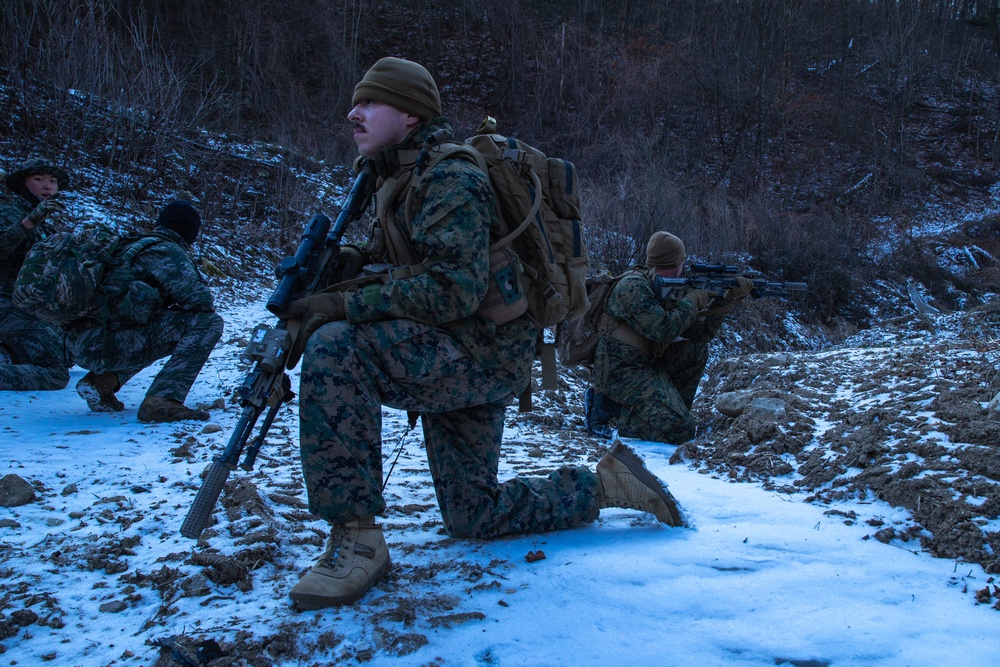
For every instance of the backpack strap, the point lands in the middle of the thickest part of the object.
(396, 244)
(433, 155)
(133, 246)
(122, 260)
(441, 152)
(620, 330)
(626, 334)
(506, 149)
(413, 164)
(423, 162)
(418, 163)
(536, 204)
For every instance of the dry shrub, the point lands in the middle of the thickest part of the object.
(822, 250)
(763, 325)
(930, 262)
(622, 214)
(983, 323)
(819, 249)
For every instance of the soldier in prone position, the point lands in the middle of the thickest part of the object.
(178, 319)
(32, 353)
(652, 355)
(415, 343)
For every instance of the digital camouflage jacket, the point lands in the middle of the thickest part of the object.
(453, 213)
(634, 303)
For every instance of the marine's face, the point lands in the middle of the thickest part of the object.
(42, 186)
(377, 125)
(671, 273)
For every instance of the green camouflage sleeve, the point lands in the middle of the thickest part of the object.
(12, 232)
(633, 302)
(169, 268)
(704, 329)
(451, 223)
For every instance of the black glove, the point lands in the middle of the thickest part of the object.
(742, 289)
(313, 312)
(43, 210)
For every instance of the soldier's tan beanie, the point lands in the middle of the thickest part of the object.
(403, 84)
(665, 251)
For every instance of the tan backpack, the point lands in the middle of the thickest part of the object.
(538, 203)
(576, 339)
(538, 263)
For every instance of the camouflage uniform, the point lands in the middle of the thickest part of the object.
(37, 348)
(415, 344)
(652, 363)
(185, 327)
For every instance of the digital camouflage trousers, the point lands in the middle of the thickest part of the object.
(125, 349)
(656, 400)
(37, 351)
(350, 370)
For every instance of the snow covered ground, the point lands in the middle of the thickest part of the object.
(94, 572)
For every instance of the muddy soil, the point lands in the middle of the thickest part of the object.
(902, 419)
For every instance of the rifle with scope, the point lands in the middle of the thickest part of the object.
(267, 386)
(718, 278)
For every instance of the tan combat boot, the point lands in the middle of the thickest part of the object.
(160, 409)
(626, 482)
(355, 559)
(99, 392)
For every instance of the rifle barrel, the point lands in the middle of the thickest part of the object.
(354, 205)
(715, 268)
(218, 472)
(269, 347)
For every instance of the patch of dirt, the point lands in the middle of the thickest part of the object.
(246, 650)
(235, 570)
(905, 424)
(241, 498)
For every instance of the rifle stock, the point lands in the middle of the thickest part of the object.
(266, 386)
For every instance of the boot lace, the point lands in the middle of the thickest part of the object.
(333, 544)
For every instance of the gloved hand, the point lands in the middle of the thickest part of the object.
(349, 262)
(313, 311)
(325, 305)
(699, 298)
(44, 209)
(742, 289)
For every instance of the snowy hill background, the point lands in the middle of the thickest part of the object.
(859, 527)
(851, 145)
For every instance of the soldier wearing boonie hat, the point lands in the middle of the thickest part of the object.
(32, 355)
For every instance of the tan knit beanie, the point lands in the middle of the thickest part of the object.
(403, 84)
(664, 251)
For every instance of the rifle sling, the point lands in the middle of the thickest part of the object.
(395, 273)
(718, 310)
